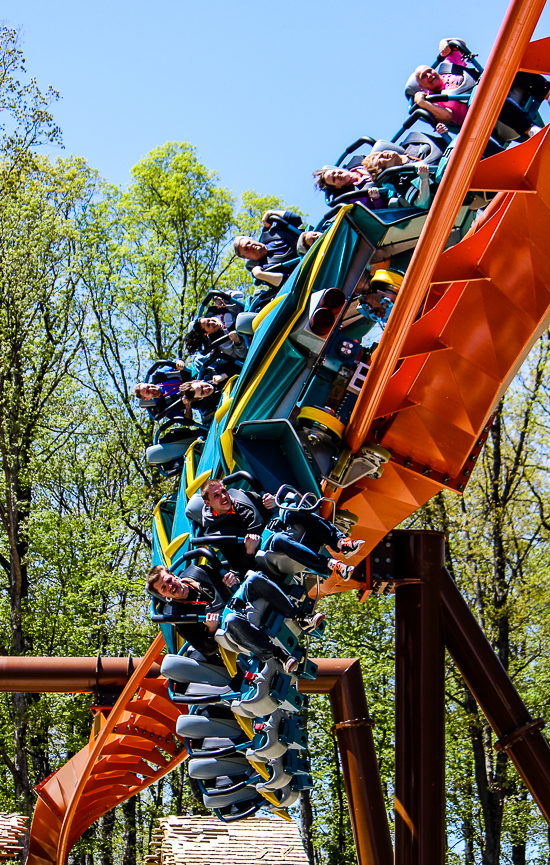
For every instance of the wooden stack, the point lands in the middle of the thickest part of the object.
(12, 826)
(203, 840)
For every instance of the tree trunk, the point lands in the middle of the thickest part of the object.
(306, 822)
(518, 854)
(130, 837)
(106, 827)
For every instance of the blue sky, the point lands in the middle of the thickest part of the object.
(267, 92)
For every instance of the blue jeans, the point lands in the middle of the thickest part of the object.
(319, 532)
(255, 588)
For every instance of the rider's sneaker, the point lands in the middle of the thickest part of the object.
(340, 569)
(310, 623)
(349, 547)
(533, 130)
(290, 664)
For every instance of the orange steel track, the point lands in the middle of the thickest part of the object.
(439, 374)
(131, 749)
(434, 382)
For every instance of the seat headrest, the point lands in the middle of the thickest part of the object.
(422, 146)
(412, 86)
(164, 453)
(194, 508)
(243, 324)
(386, 145)
(146, 403)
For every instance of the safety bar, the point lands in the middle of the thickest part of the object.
(281, 265)
(419, 114)
(230, 751)
(216, 539)
(365, 139)
(286, 224)
(244, 476)
(233, 817)
(202, 552)
(185, 423)
(179, 620)
(222, 791)
(200, 701)
(157, 364)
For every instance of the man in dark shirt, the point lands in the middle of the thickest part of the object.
(277, 245)
(195, 598)
(226, 515)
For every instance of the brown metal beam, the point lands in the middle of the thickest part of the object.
(341, 679)
(66, 675)
(419, 707)
(495, 692)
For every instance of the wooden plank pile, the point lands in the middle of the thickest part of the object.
(12, 826)
(202, 840)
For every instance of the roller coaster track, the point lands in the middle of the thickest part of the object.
(429, 396)
(131, 749)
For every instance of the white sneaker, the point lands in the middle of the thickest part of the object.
(349, 547)
(340, 569)
(533, 130)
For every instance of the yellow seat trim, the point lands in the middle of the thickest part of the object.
(241, 405)
(222, 410)
(230, 661)
(226, 444)
(263, 313)
(262, 770)
(245, 724)
(324, 417)
(161, 531)
(283, 814)
(228, 386)
(269, 795)
(198, 482)
(174, 546)
(190, 462)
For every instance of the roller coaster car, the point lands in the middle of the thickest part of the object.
(307, 360)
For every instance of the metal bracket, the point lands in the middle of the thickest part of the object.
(513, 738)
(368, 463)
(354, 722)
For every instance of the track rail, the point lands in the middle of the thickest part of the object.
(130, 749)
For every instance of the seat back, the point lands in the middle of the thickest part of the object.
(244, 323)
(423, 147)
(381, 144)
(193, 509)
(164, 453)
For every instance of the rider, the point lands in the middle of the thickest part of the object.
(241, 630)
(163, 583)
(225, 515)
(455, 111)
(277, 245)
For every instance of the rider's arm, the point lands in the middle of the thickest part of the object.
(271, 278)
(444, 115)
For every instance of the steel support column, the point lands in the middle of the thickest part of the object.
(494, 691)
(419, 688)
(341, 679)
